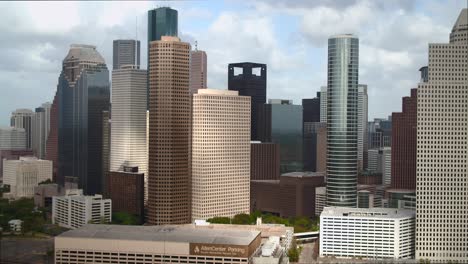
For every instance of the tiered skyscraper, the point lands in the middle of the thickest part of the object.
(342, 119)
(169, 132)
(220, 154)
(250, 80)
(198, 63)
(126, 52)
(442, 145)
(83, 93)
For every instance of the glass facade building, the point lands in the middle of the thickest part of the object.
(342, 119)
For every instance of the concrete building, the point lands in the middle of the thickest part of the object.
(379, 133)
(320, 199)
(23, 118)
(292, 195)
(404, 137)
(15, 225)
(156, 244)
(386, 166)
(12, 154)
(280, 121)
(83, 93)
(362, 113)
(250, 79)
(323, 104)
(126, 190)
(24, 174)
(198, 70)
(128, 133)
(74, 210)
(376, 233)
(342, 120)
(40, 129)
(43, 194)
(126, 52)
(13, 138)
(321, 148)
(380, 162)
(220, 154)
(169, 132)
(264, 161)
(442, 145)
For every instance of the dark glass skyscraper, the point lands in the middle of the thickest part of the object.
(311, 119)
(342, 118)
(83, 93)
(162, 21)
(249, 79)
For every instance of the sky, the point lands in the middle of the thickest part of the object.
(289, 36)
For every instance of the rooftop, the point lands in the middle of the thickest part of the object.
(181, 233)
(462, 20)
(302, 174)
(84, 53)
(216, 92)
(368, 212)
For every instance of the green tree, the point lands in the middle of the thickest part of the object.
(241, 219)
(124, 218)
(294, 252)
(48, 181)
(219, 220)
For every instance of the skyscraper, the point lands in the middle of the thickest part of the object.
(220, 154)
(311, 124)
(197, 70)
(23, 118)
(83, 93)
(52, 138)
(404, 137)
(442, 145)
(128, 133)
(323, 104)
(362, 124)
(126, 52)
(342, 119)
(169, 132)
(162, 21)
(249, 79)
(13, 138)
(40, 129)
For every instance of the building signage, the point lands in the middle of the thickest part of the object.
(199, 249)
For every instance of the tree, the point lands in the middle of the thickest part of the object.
(124, 218)
(294, 251)
(219, 220)
(48, 181)
(241, 219)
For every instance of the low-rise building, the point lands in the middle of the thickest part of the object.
(43, 194)
(24, 174)
(156, 244)
(75, 210)
(15, 225)
(375, 233)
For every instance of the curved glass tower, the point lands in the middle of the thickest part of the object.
(342, 117)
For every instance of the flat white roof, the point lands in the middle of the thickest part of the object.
(367, 212)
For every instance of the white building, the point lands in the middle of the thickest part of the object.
(12, 138)
(40, 129)
(367, 233)
(23, 118)
(442, 145)
(320, 199)
(24, 174)
(15, 225)
(74, 209)
(323, 104)
(386, 166)
(362, 124)
(220, 154)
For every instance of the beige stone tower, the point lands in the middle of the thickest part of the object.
(220, 154)
(169, 132)
(197, 70)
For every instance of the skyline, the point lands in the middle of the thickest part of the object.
(394, 39)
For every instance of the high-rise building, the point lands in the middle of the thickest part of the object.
(128, 133)
(106, 146)
(169, 132)
(362, 124)
(40, 129)
(83, 93)
(386, 166)
(13, 138)
(379, 133)
(323, 104)
(126, 52)
(342, 119)
(198, 70)
(220, 154)
(280, 121)
(442, 144)
(264, 161)
(162, 21)
(249, 79)
(13, 154)
(23, 118)
(311, 122)
(52, 138)
(321, 160)
(404, 137)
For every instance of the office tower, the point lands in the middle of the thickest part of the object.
(386, 166)
(128, 133)
(320, 199)
(169, 132)
(126, 190)
(404, 137)
(264, 161)
(106, 146)
(342, 119)
(442, 144)
(162, 21)
(281, 122)
(198, 71)
(83, 94)
(323, 104)
(12, 154)
(379, 133)
(220, 154)
(23, 118)
(40, 129)
(24, 174)
(126, 52)
(249, 79)
(311, 122)
(362, 124)
(13, 138)
(52, 138)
